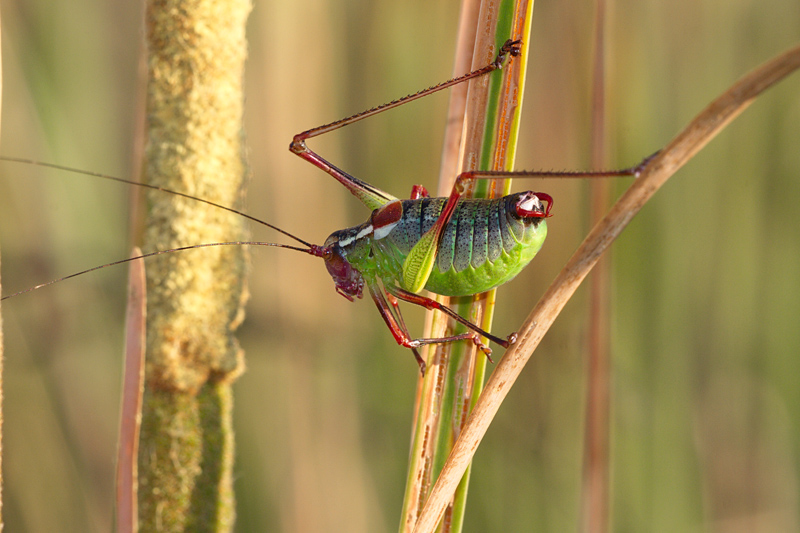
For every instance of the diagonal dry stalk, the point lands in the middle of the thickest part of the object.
(657, 171)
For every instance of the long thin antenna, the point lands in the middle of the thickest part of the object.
(153, 187)
(312, 250)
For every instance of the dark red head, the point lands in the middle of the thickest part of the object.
(349, 282)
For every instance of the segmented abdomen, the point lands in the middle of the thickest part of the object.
(485, 244)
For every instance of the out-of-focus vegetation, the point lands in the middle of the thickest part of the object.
(706, 284)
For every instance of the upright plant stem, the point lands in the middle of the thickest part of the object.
(1, 339)
(196, 53)
(455, 374)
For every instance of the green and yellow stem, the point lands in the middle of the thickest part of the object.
(456, 372)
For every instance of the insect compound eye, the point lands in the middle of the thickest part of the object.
(331, 241)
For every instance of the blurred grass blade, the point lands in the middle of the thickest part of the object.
(132, 388)
(596, 481)
(1, 333)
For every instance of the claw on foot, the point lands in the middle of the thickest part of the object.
(476, 339)
(510, 47)
(420, 362)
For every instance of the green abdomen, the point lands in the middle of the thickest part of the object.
(485, 244)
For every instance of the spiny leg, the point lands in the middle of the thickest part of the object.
(402, 323)
(509, 48)
(429, 243)
(634, 171)
(401, 334)
(429, 303)
(397, 314)
(371, 196)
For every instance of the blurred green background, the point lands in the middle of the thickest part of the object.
(706, 289)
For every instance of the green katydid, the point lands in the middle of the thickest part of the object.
(450, 246)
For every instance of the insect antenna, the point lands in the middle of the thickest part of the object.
(155, 188)
(312, 249)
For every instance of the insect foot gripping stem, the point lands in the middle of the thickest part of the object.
(509, 48)
(476, 340)
(637, 170)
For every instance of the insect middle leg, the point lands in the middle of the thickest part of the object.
(430, 304)
(394, 320)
